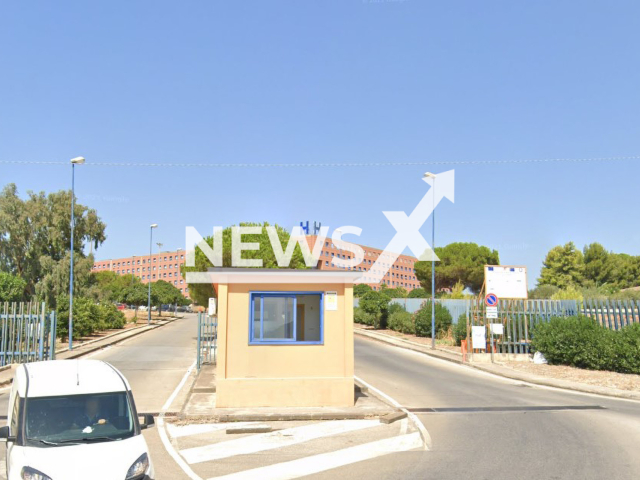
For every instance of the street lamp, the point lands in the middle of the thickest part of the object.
(433, 262)
(153, 225)
(74, 162)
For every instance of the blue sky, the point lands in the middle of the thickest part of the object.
(311, 81)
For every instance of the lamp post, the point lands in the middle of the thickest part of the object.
(74, 161)
(153, 225)
(433, 262)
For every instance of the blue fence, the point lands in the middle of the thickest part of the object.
(27, 333)
(412, 305)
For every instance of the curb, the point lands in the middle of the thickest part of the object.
(511, 375)
(281, 417)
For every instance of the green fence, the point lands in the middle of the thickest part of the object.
(518, 317)
(27, 333)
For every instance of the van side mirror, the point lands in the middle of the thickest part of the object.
(148, 421)
(5, 435)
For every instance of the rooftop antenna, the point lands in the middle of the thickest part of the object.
(159, 247)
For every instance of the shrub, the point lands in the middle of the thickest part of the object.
(401, 321)
(628, 349)
(360, 316)
(422, 319)
(418, 293)
(576, 341)
(110, 316)
(376, 304)
(460, 329)
(88, 317)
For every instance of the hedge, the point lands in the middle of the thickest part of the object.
(401, 321)
(88, 317)
(422, 319)
(581, 342)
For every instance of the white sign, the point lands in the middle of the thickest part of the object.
(506, 281)
(478, 337)
(331, 301)
(212, 307)
(492, 312)
(497, 329)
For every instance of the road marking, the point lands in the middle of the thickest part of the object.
(169, 448)
(177, 431)
(173, 396)
(278, 439)
(163, 433)
(424, 433)
(327, 461)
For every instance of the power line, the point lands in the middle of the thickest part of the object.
(325, 165)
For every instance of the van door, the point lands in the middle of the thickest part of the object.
(13, 420)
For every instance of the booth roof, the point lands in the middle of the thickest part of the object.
(274, 275)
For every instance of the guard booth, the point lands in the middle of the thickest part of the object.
(285, 337)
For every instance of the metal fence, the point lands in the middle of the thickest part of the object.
(518, 317)
(207, 339)
(613, 314)
(27, 333)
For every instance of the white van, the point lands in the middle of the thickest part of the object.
(74, 419)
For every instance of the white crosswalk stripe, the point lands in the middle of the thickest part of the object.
(272, 440)
(326, 461)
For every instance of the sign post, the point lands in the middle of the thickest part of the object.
(491, 300)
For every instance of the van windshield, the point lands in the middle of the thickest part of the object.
(71, 419)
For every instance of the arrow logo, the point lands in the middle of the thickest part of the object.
(408, 227)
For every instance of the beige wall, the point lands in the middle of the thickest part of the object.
(283, 375)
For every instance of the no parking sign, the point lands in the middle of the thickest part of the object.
(491, 300)
(492, 305)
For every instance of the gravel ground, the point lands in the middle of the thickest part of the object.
(622, 381)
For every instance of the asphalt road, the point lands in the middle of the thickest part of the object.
(154, 364)
(531, 442)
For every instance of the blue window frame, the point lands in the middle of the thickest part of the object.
(286, 318)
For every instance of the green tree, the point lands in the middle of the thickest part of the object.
(626, 270)
(599, 265)
(35, 235)
(418, 293)
(165, 293)
(11, 288)
(459, 262)
(563, 267)
(397, 292)
(543, 292)
(135, 294)
(55, 278)
(360, 289)
(201, 292)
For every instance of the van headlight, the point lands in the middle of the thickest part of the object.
(29, 473)
(138, 468)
